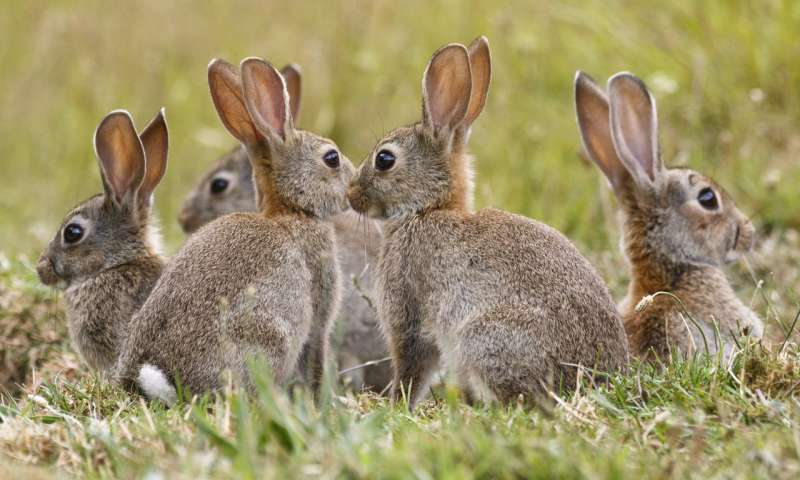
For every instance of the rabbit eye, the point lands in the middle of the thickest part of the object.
(384, 160)
(219, 185)
(708, 199)
(72, 233)
(331, 159)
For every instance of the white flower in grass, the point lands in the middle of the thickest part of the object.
(644, 303)
(757, 95)
(662, 83)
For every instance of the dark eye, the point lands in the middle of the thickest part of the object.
(331, 158)
(219, 185)
(707, 199)
(384, 160)
(72, 233)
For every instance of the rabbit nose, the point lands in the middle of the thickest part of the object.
(354, 197)
(184, 218)
(352, 190)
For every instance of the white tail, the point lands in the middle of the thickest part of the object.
(155, 384)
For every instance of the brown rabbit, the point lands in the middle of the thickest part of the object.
(507, 303)
(679, 227)
(229, 188)
(106, 252)
(248, 285)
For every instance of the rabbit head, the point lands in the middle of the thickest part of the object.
(228, 187)
(293, 170)
(114, 227)
(425, 166)
(681, 215)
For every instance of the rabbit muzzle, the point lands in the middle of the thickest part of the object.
(743, 240)
(189, 222)
(48, 273)
(361, 203)
(357, 198)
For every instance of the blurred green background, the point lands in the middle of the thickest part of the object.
(726, 76)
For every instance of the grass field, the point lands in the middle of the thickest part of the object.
(727, 80)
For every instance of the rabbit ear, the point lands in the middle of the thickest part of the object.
(121, 157)
(226, 92)
(292, 77)
(480, 62)
(446, 89)
(634, 128)
(155, 140)
(266, 98)
(591, 106)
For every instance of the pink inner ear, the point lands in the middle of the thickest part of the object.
(593, 120)
(271, 107)
(265, 96)
(637, 136)
(636, 117)
(481, 69)
(155, 140)
(447, 87)
(121, 155)
(226, 93)
(293, 79)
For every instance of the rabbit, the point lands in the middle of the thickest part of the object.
(508, 304)
(228, 188)
(678, 228)
(246, 285)
(105, 254)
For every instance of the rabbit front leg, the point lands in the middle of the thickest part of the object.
(325, 299)
(312, 359)
(94, 338)
(414, 356)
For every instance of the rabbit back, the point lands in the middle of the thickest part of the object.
(215, 307)
(495, 280)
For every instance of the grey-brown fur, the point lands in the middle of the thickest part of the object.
(508, 304)
(109, 273)
(672, 242)
(357, 338)
(247, 285)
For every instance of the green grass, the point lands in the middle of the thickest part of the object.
(690, 420)
(725, 75)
